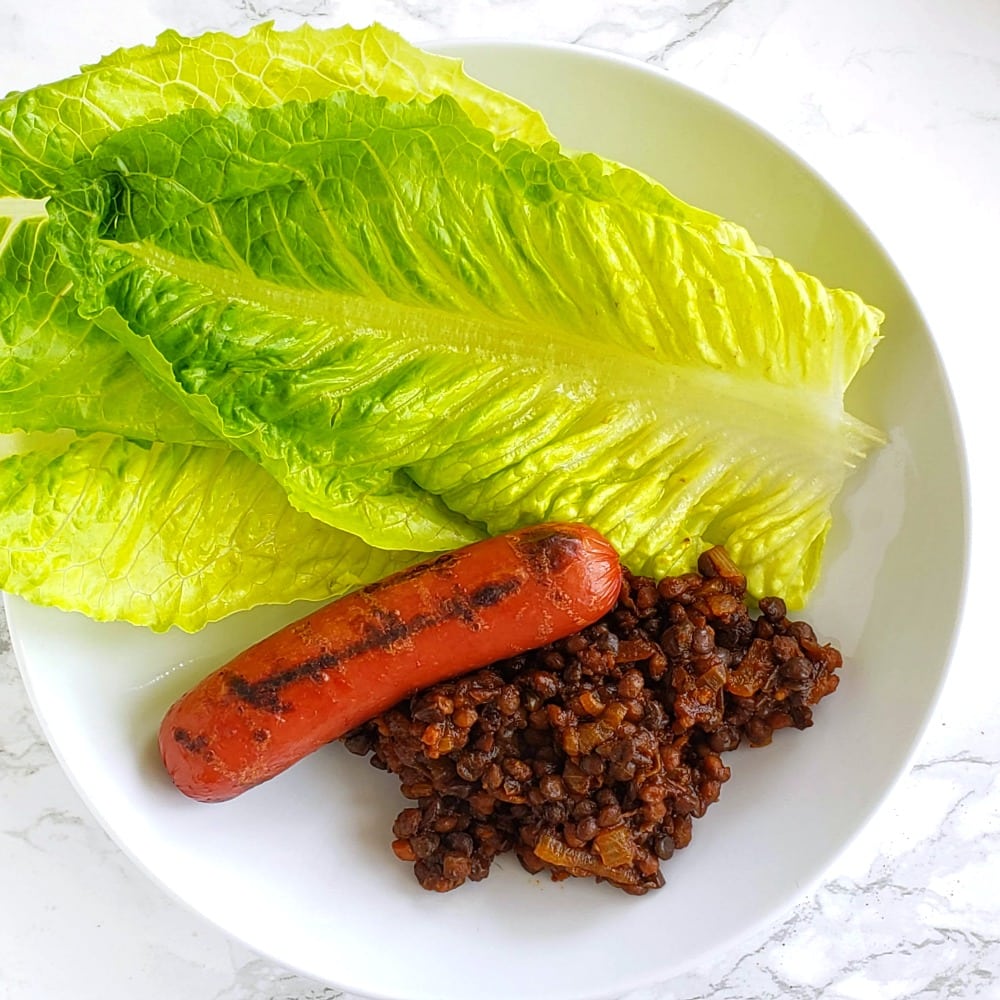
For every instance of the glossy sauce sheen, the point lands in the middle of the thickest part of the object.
(325, 674)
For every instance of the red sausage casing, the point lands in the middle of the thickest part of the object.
(315, 680)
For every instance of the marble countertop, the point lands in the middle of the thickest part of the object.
(897, 104)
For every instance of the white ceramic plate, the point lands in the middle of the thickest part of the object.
(300, 869)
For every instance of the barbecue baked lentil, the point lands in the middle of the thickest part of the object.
(592, 756)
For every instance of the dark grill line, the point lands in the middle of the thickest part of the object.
(386, 630)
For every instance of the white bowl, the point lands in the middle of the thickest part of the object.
(300, 868)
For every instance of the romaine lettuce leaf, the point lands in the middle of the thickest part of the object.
(58, 370)
(425, 334)
(45, 130)
(163, 534)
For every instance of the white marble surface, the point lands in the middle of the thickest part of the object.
(897, 103)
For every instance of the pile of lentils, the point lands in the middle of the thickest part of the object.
(593, 755)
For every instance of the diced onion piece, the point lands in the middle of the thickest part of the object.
(579, 862)
(615, 847)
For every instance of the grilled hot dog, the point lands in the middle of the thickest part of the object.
(315, 680)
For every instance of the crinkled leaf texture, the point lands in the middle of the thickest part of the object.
(165, 534)
(58, 370)
(426, 334)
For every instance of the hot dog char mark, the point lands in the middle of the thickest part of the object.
(386, 632)
(325, 674)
